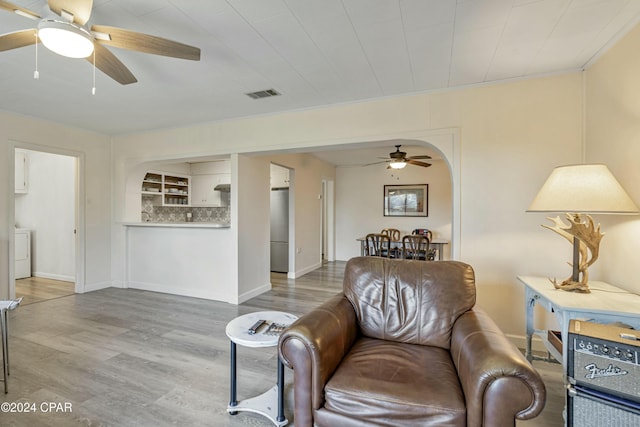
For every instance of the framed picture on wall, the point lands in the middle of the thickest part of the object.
(406, 200)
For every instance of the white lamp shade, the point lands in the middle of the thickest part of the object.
(584, 188)
(65, 38)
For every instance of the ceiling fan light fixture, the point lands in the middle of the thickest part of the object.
(397, 164)
(65, 38)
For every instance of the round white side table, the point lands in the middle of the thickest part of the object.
(238, 332)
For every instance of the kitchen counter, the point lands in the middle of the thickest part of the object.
(177, 224)
(182, 258)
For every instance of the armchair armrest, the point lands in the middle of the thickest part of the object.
(499, 384)
(313, 347)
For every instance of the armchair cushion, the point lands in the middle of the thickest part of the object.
(388, 383)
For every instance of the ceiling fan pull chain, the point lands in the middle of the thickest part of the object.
(36, 74)
(93, 90)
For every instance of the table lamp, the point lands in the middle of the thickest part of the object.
(580, 190)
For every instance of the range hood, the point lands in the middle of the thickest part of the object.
(226, 188)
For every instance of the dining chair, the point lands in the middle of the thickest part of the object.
(415, 246)
(424, 232)
(394, 236)
(393, 233)
(378, 244)
(5, 307)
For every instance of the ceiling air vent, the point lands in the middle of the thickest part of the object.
(262, 94)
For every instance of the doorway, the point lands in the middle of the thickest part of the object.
(45, 201)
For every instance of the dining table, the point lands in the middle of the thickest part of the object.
(437, 244)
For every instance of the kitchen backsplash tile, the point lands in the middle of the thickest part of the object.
(153, 213)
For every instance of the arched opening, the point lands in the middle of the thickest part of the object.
(361, 177)
(247, 185)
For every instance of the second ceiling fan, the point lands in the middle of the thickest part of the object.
(398, 159)
(69, 26)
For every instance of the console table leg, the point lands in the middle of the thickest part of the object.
(531, 302)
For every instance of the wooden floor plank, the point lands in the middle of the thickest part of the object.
(125, 357)
(37, 289)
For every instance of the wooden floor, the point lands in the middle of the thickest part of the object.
(124, 357)
(37, 289)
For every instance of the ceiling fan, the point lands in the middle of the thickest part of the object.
(67, 33)
(398, 160)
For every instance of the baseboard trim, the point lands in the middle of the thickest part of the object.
(90, 287)
(118, 284)
(175, 291)
(154, 287)
(253, 293)
(54, 276)
(304, 271)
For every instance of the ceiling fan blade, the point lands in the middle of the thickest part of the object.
(111, 66)
(19, 10)
(419, 157)
(131, 40)
(80, 9)
(417, 163)
(18, 39)
(376, 163)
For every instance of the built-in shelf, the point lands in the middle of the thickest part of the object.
(171, 189)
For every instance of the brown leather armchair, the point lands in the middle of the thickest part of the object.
(404, 345)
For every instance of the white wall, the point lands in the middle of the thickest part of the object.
(48, 210)
(250, 219)
(613, 138)
(512, 135)
(94, 153)
(359, 203)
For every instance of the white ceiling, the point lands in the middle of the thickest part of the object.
(314, 52)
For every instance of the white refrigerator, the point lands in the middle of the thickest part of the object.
(280, 230)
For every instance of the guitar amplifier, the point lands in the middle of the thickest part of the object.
(586, 409)
(605, 358)
(604, 376)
